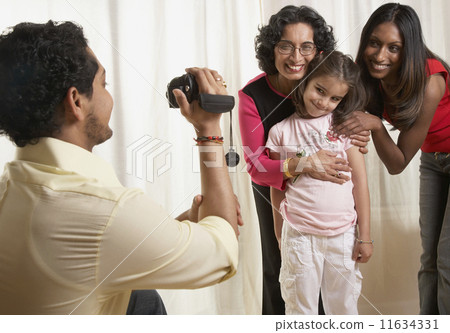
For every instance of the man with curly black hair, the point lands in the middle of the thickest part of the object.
(38, 66)
(73, 240)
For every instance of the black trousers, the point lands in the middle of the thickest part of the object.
(273, 303)
(146, 302)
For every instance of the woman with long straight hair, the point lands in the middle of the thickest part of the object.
(408, 85)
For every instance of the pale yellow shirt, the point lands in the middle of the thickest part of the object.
(73, 240)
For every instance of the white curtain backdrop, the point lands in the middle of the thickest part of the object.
(143, 44)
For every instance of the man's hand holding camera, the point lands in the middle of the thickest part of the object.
(217, 197)
(209, 82)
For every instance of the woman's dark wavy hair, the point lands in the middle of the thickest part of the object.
(38, 64)
(412, 78)
(270, 34)
(342, 67)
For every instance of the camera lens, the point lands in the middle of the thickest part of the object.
(187, 84)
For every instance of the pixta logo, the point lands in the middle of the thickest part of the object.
(143, 158)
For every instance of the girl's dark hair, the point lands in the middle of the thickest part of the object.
(342, 67)
(270, 34)
(412, 78)
(38, 64)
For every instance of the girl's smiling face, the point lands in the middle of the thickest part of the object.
(323, 94)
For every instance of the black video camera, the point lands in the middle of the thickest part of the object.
(187, 84)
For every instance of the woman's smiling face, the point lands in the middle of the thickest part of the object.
(383, 53)
(292, 67)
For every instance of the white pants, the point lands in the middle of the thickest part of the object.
(310, 263)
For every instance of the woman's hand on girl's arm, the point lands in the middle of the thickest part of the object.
(361, 140)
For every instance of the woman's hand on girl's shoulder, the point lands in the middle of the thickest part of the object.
(358, 128)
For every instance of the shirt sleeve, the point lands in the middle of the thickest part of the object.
(274, 139)
(144, 248)
(261, 168)
(347, 143)
(434, 67)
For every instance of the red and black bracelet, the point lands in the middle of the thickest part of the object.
(215, 139)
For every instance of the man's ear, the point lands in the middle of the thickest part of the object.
(73, 104)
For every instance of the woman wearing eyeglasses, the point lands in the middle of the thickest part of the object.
(284, 48)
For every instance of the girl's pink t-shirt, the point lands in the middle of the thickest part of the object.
(313, 206)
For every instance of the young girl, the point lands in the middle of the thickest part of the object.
(263, 102)
(409, 86)
(325, 226)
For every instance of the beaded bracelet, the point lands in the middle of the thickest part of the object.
(215, 139)
(286, 167)
(364, 242)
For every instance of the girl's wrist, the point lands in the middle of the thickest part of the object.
(363, 234)
(364, 238)
(286, 170)
(300, 165)
(364, 241)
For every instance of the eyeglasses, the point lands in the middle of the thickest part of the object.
(305, 48)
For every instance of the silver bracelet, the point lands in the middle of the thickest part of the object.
(364, 242)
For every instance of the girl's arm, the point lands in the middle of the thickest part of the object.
(276, 196)
(397, 156)
(362, 251)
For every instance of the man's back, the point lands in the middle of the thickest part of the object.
(73, 240)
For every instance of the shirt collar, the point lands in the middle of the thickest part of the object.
(69, 157)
